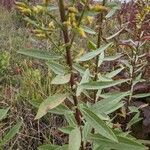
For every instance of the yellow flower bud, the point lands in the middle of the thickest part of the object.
(72, 10)
(51, 25)
(98, 8)
(81, 32)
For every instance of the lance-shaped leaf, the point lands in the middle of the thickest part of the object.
(57, 68)
(97, 85)
(98, 124)
(112, 58)
(39, 54)
(142, 95)
(11, 133)
(93, 54)
(84, 79)
(88, 30)
(114, 73)
(107, 105)
(61, 79)
(123, 143)
(52, 147)
(50, 103)
(3, 113)
(75, 139)
(114, 35)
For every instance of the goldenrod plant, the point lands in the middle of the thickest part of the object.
(84, 98)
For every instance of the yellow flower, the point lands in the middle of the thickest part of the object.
(98, 8)
(81, 32)
(72, 10)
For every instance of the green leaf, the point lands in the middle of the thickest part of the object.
(86, 131)
(57, 68)
(107, 105)
(52, 8)
(93, 54)
(52, 147)
(97, 85)
(123, 144)
(101, 59)
(91, 45)
(114, 73)
(88, 30)
(112, 58)
(3, 113)
(30, 21)
(71, 120)
(61, 110)
(114, 35)
(134, 120)
(143, 95)
(50, 103)
(112, 12)
(98, 124)
(38, 54)
(11, 133)
(75, 139)
(85, 79)
(61, 79)
(66, 130)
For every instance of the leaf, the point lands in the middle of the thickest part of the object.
(61, 79)
(98, 124)
(75, 139)
(85, 79)
(11, 133)
(97, 85)
(52, 8)
(91, 45)
(50, 103)
(112, 12)
(93, 54)
(114, 73)
(101, 59)
(134, 120)
(71, 120)
(61, 110)
(80, 69)
(112, 58)
(107, 105)
(66, 130)
(123, 144)
(57, 68)
(86, 131)
(38, 54)
(88, 30)
(3, 113)
(114, 35)
(52, 147)
(143, 95)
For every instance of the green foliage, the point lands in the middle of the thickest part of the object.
(89, 117)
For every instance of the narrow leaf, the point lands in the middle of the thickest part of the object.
(97, 85)
(93, 54)
(61, 79)
(11, 133)
(57, 68)
(50, 103)
(75, 139)
(98, 124)
(38, 54)
(3, 113)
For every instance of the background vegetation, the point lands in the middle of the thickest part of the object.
(120, 107)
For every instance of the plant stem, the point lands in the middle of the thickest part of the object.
(70, 62)
(100, 33)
